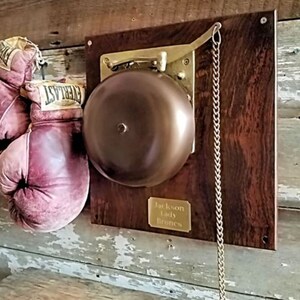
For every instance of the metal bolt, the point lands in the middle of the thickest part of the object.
(122, 128)
(107, 62)
(186, 61)
(89, 43)
(263, 20)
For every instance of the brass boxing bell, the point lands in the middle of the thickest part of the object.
(138, 127)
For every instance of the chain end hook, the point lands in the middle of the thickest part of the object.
(216, 31)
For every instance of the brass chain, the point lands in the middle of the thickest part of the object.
(216, 42)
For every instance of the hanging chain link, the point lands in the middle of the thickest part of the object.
(216, 41)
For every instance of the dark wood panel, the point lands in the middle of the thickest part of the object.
(248, 134)
(54, 23)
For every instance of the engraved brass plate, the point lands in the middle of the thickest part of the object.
(169, 214)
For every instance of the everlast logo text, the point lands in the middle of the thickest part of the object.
(66, 92)
(5, 52)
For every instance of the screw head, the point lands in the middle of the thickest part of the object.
(89, 43)
(186, 61)
(122, 128)
(263, 20)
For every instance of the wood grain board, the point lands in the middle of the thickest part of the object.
(248, 134)
(288, 69)
(37, 284)
(57, 24)
(161, 264)
(289, 162)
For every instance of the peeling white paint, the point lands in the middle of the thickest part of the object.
(288, 193)
(105, 237)
(134, 282)
(143, 260)
(101, 247)
(207, 295)
(284, 265)
(48, 250)
(124, 251)
(230, 283)
(152, 272)
(66, 238)
(176, 258)
(17, 264)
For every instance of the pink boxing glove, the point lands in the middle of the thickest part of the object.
(18, 59)
(44, 173)
(14, 113)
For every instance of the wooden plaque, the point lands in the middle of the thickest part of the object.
(248, 111)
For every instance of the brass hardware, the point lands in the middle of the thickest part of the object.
(176, 61)
(169, 214)
(159, 63)
(170, 53)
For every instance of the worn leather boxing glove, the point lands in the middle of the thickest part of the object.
(18, 58)
(44, 173)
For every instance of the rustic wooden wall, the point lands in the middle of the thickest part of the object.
(160, 264)
(56, 23)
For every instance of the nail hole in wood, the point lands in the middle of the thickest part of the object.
(54, 32)
(55, 43)
(265, 239)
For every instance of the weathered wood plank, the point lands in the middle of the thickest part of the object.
(185, 261)
(20, 260)
(64, 63)
(36, 284)
(55, 23)
(289, 162)
(71, 62)
(289, 69)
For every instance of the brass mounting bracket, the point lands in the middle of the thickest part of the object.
(177, 61)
